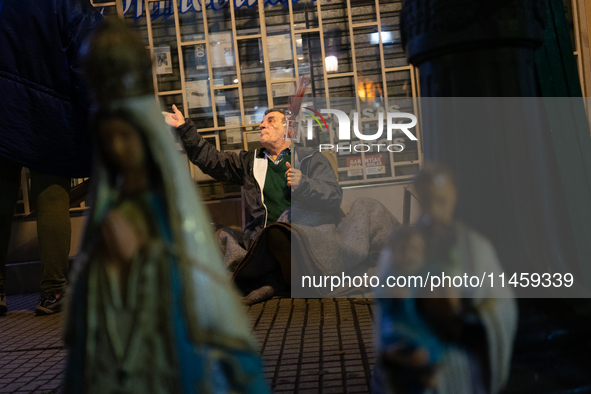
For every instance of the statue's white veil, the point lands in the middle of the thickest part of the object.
(211, 304)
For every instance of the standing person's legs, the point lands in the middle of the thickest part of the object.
(51, 194)
(10, 180)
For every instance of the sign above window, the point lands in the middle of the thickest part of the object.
(164, 8)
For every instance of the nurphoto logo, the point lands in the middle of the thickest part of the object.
(394, 125)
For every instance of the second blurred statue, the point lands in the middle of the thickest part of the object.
(153, 309)
(439, 336)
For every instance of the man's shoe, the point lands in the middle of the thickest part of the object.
(3, 307)
(49, 303)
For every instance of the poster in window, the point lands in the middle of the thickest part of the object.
(200, 58)
(374, 165)
(283, 89)
(280, 48)
(222, 51)
(163, 60)
(233, 136)
(197, 94)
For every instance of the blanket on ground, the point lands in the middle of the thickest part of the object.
(316, 249)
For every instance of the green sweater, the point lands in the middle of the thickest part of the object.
(276, 192)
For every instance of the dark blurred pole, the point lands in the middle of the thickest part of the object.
(474, 48)
(510, 188)
(528, 191)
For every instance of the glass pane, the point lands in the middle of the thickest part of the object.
(341, 87)
(199, 103)
(394, 55)
(363, 11)
(254, 92)
(254, 85)
(337, 42)
(351, 175)
(106, 11)
(247, 19)
(195, 62)
(277, 18)
(227, 104)
(398, 84)
(135, 19)
(250, 54)
(305, 15)
(218, 20)
(222, 58)
(282, 91)
(406, 170)
(253, 140)
(369, 69)
(310, 62)
(166, 57)
(280, 53)
(191, 26)
(231, 139)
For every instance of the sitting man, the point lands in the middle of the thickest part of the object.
(267, 176)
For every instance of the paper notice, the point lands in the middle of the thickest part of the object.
(222, 52)
(163, 60)
(253, 137)
(233, 136)
(280, 48)
(197, 94)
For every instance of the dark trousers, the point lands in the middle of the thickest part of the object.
(51, 197)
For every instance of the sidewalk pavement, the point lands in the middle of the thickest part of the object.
(316, 346)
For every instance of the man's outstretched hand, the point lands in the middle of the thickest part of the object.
(174, 119)
(293, 176)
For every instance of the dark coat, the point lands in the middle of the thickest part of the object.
(43, 116)
(319, 193)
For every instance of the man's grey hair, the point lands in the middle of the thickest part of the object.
(281, 111)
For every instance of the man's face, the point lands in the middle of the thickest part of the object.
(273, 129)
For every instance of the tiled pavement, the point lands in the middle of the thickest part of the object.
(316, 346)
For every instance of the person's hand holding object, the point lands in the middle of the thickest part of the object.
(293, 176)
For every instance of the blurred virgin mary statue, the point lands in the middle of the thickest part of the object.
(153, 309)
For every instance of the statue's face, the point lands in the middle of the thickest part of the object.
(122, 145)
(273, 129)
(439, 201)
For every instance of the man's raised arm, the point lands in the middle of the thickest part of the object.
(223, 166)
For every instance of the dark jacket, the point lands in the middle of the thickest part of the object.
(43, 116)
(319, 193)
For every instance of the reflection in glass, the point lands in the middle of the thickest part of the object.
(309, 56)
(227, 104)
(305, 14)
(390, 18)
(363, 11)
(191, 26)
(247, 19)
(195, 61)
(277, 18)
(282, 91)
(342, 87)
(398, 84)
